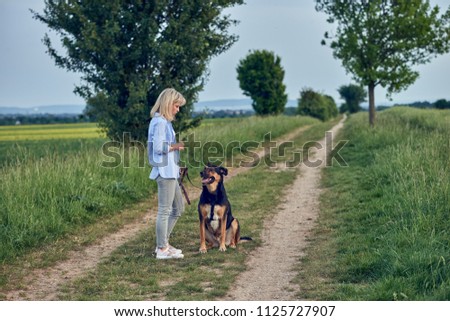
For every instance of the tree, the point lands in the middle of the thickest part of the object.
(353, 95)
(317, 105)
(379, 41)
(129, 51)
(331, 106)
(261, 77)
(442, 104)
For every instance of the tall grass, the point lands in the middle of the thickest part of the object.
(219, 140)
(386, 216)
(45, 198)
(30, 142)
(16, 152)
(51, 187)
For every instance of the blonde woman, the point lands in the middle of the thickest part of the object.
(163, 155)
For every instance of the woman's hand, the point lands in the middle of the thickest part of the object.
(177, 146)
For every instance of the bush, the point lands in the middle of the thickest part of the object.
(442, 104)
(317, 105)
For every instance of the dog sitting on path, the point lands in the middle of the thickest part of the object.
(218, 227)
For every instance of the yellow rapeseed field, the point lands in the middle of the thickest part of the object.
(54, 131)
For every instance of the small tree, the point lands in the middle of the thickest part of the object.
(317, 105)
(261, 77)
(353, 95)
(331, 106)
(379, 41)
(442, 104)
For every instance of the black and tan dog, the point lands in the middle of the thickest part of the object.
(218, 227)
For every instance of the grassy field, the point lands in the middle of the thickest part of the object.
(133, 273)
(54, 131)
(51, 187)
(23, 143)
(384, 229)
(382, 233)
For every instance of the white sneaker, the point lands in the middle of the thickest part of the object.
(168, 254)
(172, 249)
(175, 250)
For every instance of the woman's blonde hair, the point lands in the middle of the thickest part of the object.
(167, 98)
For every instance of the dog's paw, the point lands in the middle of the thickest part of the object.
(222, 248)
(203, 250)
(233, 246)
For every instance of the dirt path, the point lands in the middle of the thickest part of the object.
(270, 268)
(267, 279)
(44, 284)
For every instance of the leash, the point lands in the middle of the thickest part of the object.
(184, 173)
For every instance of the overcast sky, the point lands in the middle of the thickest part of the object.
(292, 29)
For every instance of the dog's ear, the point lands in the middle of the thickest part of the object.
(223, 171)
(203, 171)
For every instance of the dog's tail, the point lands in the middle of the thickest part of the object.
(245, 239)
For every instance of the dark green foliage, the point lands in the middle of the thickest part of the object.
(331, 106)
(317, 105)
(353, 95)
(379, 41)
(129, 51)
(43, 119)
(260, 76)
(442, 104)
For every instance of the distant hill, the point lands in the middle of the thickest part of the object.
(223, 104)
(231, 104)
(41, 110)
(212, 105)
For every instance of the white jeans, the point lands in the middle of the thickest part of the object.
(170, 208)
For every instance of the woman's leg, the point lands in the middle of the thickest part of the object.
(166, 195)
(177, 209)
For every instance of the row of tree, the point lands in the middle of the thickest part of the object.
(129, 51)
(42, 119)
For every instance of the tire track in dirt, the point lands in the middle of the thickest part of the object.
(44, 284)
(270, 269)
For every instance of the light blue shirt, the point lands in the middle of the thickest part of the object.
(160, 136)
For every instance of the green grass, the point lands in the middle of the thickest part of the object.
(43, 199)
(132, 273)
(383, 233)
(23, 143)
(51, 187)
(14, 153)
(226, 141)
(54, 131)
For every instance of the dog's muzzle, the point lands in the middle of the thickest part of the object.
(208, 180)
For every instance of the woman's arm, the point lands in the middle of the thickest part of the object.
(160, 143)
